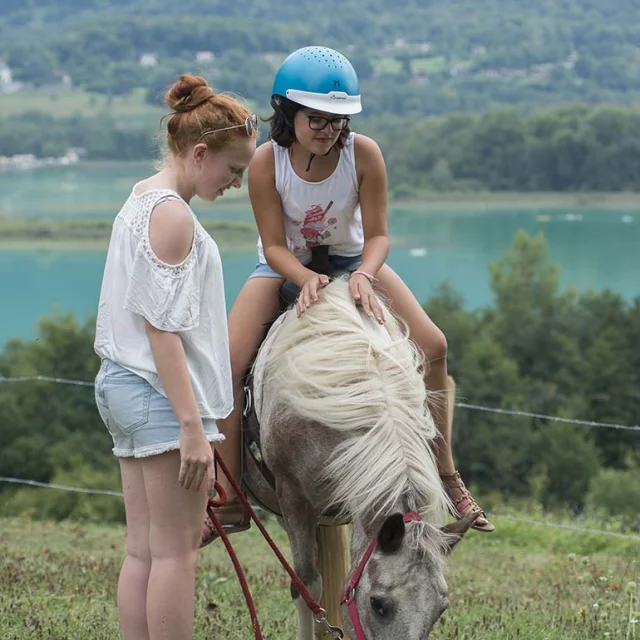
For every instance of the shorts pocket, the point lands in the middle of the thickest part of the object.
(101, 402)
(126, 396)
(102, 408)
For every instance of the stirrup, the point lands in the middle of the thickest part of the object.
(234, 519)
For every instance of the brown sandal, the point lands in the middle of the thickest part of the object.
(465, 505)
(234, 519)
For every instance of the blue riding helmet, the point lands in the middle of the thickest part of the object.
(319, 78)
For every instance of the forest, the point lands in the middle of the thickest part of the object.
(536, 348)
(498, 95)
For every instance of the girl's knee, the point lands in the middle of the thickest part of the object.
(140, 553)
(183, 549)
(434, 345)
(440, 345)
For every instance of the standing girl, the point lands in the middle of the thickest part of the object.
(165, 377)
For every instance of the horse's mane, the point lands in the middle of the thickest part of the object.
(337, 367)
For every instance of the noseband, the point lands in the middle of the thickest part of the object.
(348, 596)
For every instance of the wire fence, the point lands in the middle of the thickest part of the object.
(61, 487)
(462, 405)
(78, 383)
(528, 414)
(504, 516)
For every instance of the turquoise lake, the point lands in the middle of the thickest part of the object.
(595, 249)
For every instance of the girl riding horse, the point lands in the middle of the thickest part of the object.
(318, 183)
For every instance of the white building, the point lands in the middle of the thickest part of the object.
(149, 59)
(204, 56)
(7, 83)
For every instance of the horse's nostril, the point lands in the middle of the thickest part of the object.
(380, 607)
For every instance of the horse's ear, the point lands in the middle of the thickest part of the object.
(455, 531)
(391, 533)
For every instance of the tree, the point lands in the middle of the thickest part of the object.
(494, 452)
(40, 419)
(537, 349)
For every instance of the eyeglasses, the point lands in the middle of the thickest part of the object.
(318, 123)
(250, 125)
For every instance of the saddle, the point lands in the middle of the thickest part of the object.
(250, 425)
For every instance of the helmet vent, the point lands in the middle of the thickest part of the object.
(318, 53)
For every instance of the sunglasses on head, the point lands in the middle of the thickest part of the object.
(250, 125)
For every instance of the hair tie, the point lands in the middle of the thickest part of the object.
(195, 105)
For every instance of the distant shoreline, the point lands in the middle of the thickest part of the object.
(538, 200)
(415, 198)
(93, 235)
(65, 234)
(482, 201)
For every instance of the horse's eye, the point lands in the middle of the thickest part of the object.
(380, 607)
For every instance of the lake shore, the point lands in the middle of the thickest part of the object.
(482, 200)
(50, 234)
(79, 234)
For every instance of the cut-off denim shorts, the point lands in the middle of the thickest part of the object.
(139, 419)
(340, 263)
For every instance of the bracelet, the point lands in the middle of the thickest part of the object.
(368, 276)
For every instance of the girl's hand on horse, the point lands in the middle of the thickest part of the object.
(196, 460)
(309, 292)
(364, 295)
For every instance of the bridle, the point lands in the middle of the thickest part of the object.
(348, 596)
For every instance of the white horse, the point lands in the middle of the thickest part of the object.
(345, 428)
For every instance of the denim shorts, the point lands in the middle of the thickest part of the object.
(340, 263)
(139, 419)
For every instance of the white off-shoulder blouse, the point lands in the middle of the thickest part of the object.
(186, 298)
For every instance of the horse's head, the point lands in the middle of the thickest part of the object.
(398, 588)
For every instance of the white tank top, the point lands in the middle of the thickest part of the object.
(320, 213)
(186, 298)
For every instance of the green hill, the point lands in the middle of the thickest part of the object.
(415, 57)
(462, 96)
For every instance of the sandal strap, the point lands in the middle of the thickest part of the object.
(466, 503)
(454, 480)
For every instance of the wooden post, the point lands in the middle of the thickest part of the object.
(333, 562)
(451, 399)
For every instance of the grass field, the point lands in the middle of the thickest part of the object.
(435, 64)
(521, 583)
(387, 66)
